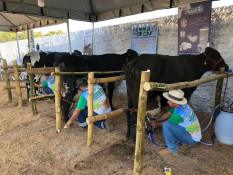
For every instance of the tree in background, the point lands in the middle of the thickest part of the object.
(11, 36)
(54, 33)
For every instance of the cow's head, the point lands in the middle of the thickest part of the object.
(76, 53)
(39, 60)
(35, 59)
(214, 60)
(70, 63)
(26, 59)
(129, 56)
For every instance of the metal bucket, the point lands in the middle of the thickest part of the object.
(223, 127)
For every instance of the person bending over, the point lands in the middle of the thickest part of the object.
(100, 106)
(180, 125)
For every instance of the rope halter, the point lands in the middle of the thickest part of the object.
(215, 62)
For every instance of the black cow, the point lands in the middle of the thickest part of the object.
(106, 62)
(166, 69)
(40, 59)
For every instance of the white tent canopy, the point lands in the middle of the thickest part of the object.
(18, 22)
(19, 15)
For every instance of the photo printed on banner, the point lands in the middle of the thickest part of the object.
(194, 27)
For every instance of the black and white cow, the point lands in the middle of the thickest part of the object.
(166, 69)
(106, 62)
(40, 59)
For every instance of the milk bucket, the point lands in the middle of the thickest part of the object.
(223, 127)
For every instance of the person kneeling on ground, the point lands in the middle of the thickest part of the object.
(48, 85)
(180, 125)
(100, 106)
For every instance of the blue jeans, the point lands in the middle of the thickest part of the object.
(47, 90)
(175, 134)
(82, 120)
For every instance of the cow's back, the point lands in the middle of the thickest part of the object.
(106, 62)
(163, 69)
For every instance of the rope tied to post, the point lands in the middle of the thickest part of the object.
(132, 109)
(66, 101)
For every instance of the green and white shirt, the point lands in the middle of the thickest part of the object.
(50, 82)
(186, 118)
(100, 102)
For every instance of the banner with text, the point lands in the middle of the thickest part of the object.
(194, 27)
(144, 37)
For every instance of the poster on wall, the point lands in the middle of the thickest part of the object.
(144, 37)
(194, 27)
(87, 47)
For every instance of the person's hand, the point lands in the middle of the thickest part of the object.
(153, 124)
(67, 124)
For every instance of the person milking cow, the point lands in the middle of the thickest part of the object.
(100, 106)
(180, 125)
(48, 86)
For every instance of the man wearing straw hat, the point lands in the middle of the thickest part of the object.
(180, 125)
(100, 106)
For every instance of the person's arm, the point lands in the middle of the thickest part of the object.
(159, 121)
(38, 85)
(165, 116)
(74, 116)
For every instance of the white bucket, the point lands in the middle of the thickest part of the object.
(223, 127)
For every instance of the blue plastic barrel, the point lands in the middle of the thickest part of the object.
(223, 127)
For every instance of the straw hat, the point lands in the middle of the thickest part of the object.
(176, 96)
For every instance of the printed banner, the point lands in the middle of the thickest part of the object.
(194, 27)
(87, 48)
(144, 37)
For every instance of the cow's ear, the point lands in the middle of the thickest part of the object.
(207, 49)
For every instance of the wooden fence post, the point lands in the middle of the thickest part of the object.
(90, 130)
(218, 92)
(58, 100)
(17, 83)
(140, 133)
(32, 89)
(6, 77)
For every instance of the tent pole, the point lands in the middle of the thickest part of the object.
(18, 45)
(29, 50)
(93, 38)
(68, 33)
(31, 43)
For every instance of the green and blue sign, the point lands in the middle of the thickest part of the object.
(144, 37)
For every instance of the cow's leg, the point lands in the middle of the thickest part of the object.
(28, 89)
(66, 103)
(68, 100)
(128, 124)
(133, 124)
(110, 93)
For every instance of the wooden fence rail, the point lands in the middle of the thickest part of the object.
(83, 73)
(154, 86)
(9, 67)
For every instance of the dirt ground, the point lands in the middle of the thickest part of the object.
(29, 145)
